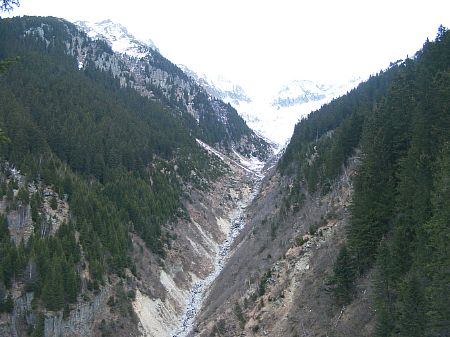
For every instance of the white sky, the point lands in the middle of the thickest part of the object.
(259, 43)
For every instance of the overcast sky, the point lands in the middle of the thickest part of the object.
(255, 42)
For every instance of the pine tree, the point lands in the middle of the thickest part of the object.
(384, 289)
(39, 326)
(373, 199)
(411, 321)
(436, 257)
(53, 288)
(343, 277)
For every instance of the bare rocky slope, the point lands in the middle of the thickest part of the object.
(166, 297)
(275, 283)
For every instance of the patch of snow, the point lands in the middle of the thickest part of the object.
(218, 86)
(118, 37)
(210, 149)
(252, 165)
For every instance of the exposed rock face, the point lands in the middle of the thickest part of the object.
(81, 319)
(20, 223)
(142, 68)
(84, 320)
(275, 282)
(168, 295)
(22, 314)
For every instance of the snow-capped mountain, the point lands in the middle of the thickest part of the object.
(139, 65)
(118, 37)
(274, 116)
(299, 92)
(219, 86)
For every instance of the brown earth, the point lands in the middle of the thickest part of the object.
(291, 257)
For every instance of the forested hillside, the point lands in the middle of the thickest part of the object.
(398, 124)
(77, 139)
(109, 204)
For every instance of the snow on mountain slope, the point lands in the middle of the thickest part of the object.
(118, 37)
(139, 65)
(274, 117)
(299, 92)
(219, 86)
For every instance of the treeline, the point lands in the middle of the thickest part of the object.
(400, 120)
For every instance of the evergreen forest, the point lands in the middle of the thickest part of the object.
(121, 165)
(397, 125)
(120, 160)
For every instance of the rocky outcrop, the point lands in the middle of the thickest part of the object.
(22, 314)
(81, 320)
(20, 224)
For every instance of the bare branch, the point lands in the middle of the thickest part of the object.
(8, 5)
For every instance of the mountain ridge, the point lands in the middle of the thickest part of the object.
(104, 189)
(156, 77)
(118, 37)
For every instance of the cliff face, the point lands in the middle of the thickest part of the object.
(19, 223)
(81, 320)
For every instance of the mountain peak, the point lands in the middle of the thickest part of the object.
(118, 37)
(304, 91)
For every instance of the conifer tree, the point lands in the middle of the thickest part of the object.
(412, 318)
(53, 288)
(384, 289)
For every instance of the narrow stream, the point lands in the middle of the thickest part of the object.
(200, 288)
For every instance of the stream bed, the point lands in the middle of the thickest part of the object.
(200, 288)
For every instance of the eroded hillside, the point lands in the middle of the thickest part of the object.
(131, 204)
(275, 283)
(347, 240)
